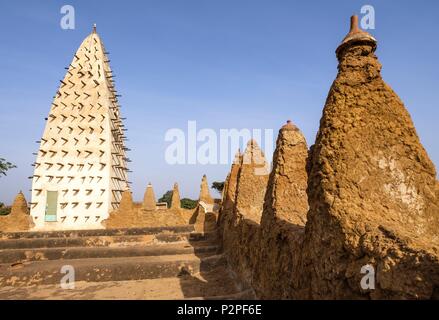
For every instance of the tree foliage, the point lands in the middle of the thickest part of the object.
(167, 197)
(218, 186)
(187, 203)
(4, 210)
(5, 166)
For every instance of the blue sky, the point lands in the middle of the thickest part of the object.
(223, 63)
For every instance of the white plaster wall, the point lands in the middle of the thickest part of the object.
(77, 142)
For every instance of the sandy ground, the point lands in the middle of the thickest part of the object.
(188, 286)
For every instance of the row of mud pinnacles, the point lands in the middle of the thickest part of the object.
(365, 194)
(130, 214)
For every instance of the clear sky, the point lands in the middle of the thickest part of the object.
(223, 63)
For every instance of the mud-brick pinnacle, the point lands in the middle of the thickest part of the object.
(356, 35)
(354, 25)
(289, 126)
(94, 28)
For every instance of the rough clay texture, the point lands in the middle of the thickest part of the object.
(283, 219)
(252, 183)
(149, 202)
(372, 192)
(131, 216)
(229, 195)
(286, 197)
(241, 212)
(19, 218)
(266, 256)
(203, 221)
(204, 192)
(140, 218)
(126, 202)
(125, 216)
(175, 200)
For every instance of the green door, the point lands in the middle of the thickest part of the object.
(51, 206)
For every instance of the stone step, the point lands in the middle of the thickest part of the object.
(95, 233)
(12, 256)
(214, 284)
(241, 295)
(108, 269)
(102, 241)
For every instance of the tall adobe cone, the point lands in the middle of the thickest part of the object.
(19, 218)
(20, 205)
(241, 211)
(175, 200)
(252, 183)
(229, 192)
(126, 203)
(286, 197)
(125, 216)
(204, 191)
(149, 202)
(372, 188)
(283, 219)
(80, 170)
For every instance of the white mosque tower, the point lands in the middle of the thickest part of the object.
(80, 171)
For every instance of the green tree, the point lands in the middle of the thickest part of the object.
(187, 203)
(5, 166)
(218, 186)
(4, 210)
(167, 197)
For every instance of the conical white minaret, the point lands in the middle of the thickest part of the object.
(80, 171)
